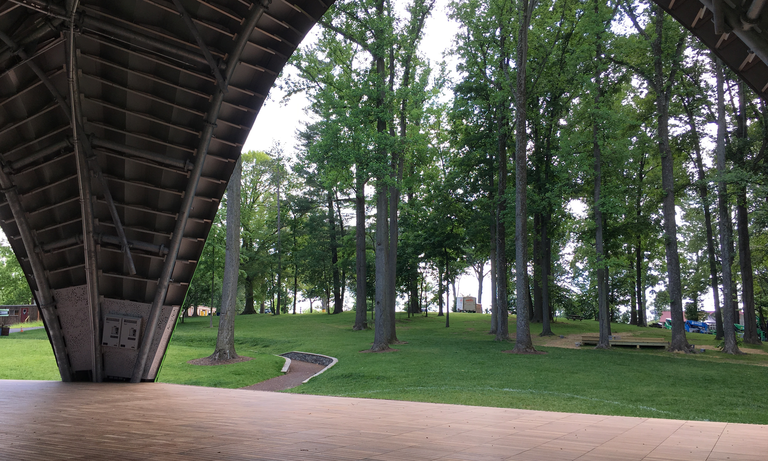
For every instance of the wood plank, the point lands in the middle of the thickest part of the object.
(44, 420)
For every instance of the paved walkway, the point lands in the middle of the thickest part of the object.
(17, 330)
(297, 374)
(44, 420)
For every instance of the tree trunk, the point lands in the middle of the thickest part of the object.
(381, 309)
(523, 343)
(639, 285)
(447, 294)
(494, 262)
(729, 332)
(361, 308)
(674, 286)
(249, 308)
(439, 291)
(225, 341)
(602, 283)
(480, 275)
(639, 288)
(705, 202)
(295, 289)
(538, 260)
(337, 307)
(632, 293)
(742, 221)
(602, 286)
(394, 203)
(546, 328)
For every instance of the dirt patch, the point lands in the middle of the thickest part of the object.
(207, 361)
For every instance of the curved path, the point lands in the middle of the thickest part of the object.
(297, 374)
(152, 421)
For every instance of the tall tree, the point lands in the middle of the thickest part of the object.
(225, 341)
(729, 332)
(665, 42)
(602, 276)
(523, 343)
(742, 220)
(688, 100)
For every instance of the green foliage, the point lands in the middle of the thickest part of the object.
(14, 289)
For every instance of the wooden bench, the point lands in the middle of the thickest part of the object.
(574, 317)
(617, 340)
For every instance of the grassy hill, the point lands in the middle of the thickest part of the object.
(463, 365)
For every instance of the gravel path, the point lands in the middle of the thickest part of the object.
(296, 375)
(309, 358)
(303, 366)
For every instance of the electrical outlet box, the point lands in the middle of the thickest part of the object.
(111, 331)
(129, 334)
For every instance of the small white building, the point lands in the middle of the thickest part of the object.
(467, 304)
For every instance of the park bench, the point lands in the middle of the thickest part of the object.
(574, 317)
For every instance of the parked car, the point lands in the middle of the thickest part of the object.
(693, 326)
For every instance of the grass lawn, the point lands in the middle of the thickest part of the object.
(463, 365)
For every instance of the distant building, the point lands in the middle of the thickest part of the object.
(10, 315)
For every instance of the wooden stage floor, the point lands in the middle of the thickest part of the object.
(44, 420)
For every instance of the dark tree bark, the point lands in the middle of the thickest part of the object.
(546, 244)
(602, 276)
(742, 221)
(361, 308)
(394, 203)
(382, 313)
(440, 279)
(703, 191)
(494, 262)
(337, 306)
(632, 293)
(729, 332)
(225, 341)
(249, 307)
(538, 261)
(523, 343)
(639, 284)
(662, 88)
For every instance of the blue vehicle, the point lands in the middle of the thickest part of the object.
(692, 326)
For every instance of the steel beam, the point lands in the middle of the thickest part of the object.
(80, 143)
(113, 212)
(18, 51)
(41, 154)
(203, 47)
(47, 302)
(755, 41)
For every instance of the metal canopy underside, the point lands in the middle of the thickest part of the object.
(165, 94)
(735, 30)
